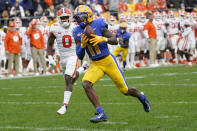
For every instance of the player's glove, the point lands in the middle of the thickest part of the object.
(97, 39)
(51, 60)
(121, 41)
(84, 40)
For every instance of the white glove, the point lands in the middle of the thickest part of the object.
(51, 60)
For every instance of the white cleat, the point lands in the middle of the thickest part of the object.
(62, 110)
(11, 76)
(18, 75)
(37, 74)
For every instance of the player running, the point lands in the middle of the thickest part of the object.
(102, 61)
(62, 32)
(123, 42)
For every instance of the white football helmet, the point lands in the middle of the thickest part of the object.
(157, 16)
(18, 22)
(112, 20)
(44, 20)
(64, 17)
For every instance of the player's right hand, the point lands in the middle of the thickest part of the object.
(121, 41)
(84, 40)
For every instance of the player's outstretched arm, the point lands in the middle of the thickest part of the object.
(112, 40)
(50, 43)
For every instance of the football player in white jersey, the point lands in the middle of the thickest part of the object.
(112, 26)
(25, 47)
(62, 33)
(185, 44)
(143, 43)
(131, 52)
(161, 41)
(44, 21)
(137, 38)
(2, 52)
(173, 35)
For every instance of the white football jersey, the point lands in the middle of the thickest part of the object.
(130, 28)
(46, 30)
(113, 28)
(160, 28)
(137, 27)
(65, 40)
(173, 26)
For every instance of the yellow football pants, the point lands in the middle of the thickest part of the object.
(108, 66)
(120, 49)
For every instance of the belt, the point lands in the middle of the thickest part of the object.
(100, 58)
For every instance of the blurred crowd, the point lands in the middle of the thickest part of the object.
(29, 8)
(19, 18)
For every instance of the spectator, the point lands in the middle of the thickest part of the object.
(39, 7)
(67, 5)
(17, 10)
(123, 6)
(48, 2)
(189, 5)
(74, 3)
(2, 6)
(175, 4)
(150, 33)
(12, 43)
(89, 2)
(5, 14)
(113, 7)
(161, 4)
(98, 8)
(37, 44)
(57, 3)
(50, 11)
(28, 7)
(95, 12)
(105, 6)
(101, 2)
(140, 6)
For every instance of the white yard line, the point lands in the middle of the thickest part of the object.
(166, 117)
(42, 129)
(31, 76)
(15, 94)
(104, 103)
(115, 123)
(50, 129)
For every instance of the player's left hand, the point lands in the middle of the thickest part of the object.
(97, 39)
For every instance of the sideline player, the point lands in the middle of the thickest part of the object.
(102, 61)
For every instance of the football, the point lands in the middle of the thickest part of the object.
(88, 31)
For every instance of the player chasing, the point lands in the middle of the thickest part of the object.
(123, 42)
(102, 61)
(62, 32)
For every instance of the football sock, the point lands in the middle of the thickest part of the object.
(99, 110)
(124, 64)
(67, 95)
(141, 98)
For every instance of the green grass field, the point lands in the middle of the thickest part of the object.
(31, 103)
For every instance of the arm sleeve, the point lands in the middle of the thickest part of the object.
(80, 52)
(75, 34)
(29, 31)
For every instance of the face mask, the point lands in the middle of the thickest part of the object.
(122, 31)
